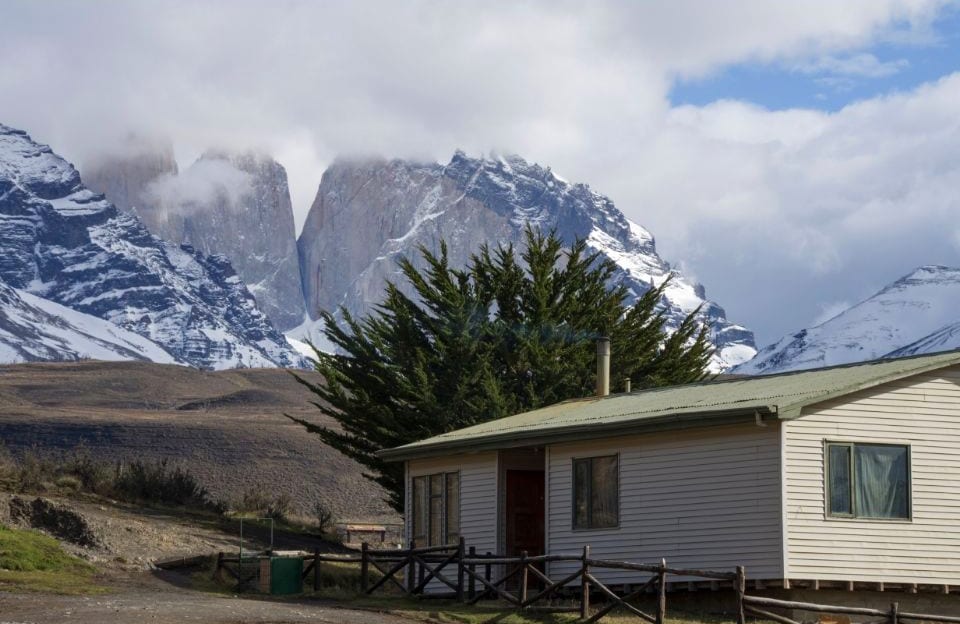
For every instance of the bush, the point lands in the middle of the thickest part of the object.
(137, 481)
(324, 517)
(257, 500)
(159, 483)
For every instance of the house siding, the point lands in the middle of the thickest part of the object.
(922, 411)
(707, 498)
(478, 495)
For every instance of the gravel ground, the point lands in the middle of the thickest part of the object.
(147, 597)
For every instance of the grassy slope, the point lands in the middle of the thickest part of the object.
(30, 561)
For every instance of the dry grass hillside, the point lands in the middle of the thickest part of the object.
(226, 427)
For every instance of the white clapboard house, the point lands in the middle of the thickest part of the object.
(848, 474)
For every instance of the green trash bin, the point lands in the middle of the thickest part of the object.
(286, 575)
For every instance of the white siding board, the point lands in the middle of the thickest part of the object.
(924, 412)
(705, 498)
(478, 499)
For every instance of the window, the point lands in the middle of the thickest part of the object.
(868, 480)
(596, 492)
(436, 509)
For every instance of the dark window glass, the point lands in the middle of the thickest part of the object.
(869, 480)
(435, 516)
(453, 508)
(596, 492)
(840, 484)
(420, 516)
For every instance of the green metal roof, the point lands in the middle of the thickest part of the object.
(780, 396)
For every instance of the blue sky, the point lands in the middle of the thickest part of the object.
(834, 80)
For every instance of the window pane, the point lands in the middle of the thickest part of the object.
(453, 507)
(604, 492)
(419, 511)
(436, 510)
(436, 528)
(882, 487)
(581, 493)
(839, 463)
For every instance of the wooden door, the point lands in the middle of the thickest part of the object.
(524, 511)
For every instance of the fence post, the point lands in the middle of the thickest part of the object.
(411, 571)
(460, 569)
(364, 567)
(473, 570)
(894, 612)
(585, 586)
(316, 568)
(741, 590)
(662, 592)
(524, 574)
(487, 572)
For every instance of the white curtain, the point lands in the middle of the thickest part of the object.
(881, 484)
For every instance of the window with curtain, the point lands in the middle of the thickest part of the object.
(436, 509)
(596, 492)
(868, 480)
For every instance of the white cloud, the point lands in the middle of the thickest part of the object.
(812, 207)
(199, 185)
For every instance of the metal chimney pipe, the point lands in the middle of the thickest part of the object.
(603, 366)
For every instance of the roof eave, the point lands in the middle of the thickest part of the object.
(573, 433)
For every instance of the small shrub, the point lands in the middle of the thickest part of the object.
(323, 516)
(280, 507)
(159, 483)
(68, 483)
(254, 499)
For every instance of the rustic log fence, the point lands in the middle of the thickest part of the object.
(758, 606)
(456, 572)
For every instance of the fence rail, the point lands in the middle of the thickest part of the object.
(522, 582)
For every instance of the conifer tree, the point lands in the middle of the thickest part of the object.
(509, 333)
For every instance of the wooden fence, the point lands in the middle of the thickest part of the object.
(469, 577)
(759, 607)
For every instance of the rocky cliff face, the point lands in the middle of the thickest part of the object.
(368, 213)
(236, 205)
(124, 178)
(916, 314)
(62, 242)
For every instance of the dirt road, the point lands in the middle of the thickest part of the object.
(144, 597)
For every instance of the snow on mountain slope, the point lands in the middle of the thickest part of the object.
(918, 313)
(388, 208)
(232, 204)
(34, 329)
(61, 242)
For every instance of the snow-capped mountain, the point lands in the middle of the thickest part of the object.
(368, 213)
(37, 330)
(918, 313)
(233, 204)
(63, 243)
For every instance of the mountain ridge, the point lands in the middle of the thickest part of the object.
(912, 315)
(67, 244)
(394, 205)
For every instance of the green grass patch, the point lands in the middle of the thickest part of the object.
(30, 561)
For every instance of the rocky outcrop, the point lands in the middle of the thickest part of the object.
(916, 314)
(236, 205)
(64, 243)
(368, 213)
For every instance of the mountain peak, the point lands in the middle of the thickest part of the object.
(914, 314)
(69, 246)
(391, 209)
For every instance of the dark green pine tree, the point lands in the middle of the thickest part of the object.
(509, 333)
